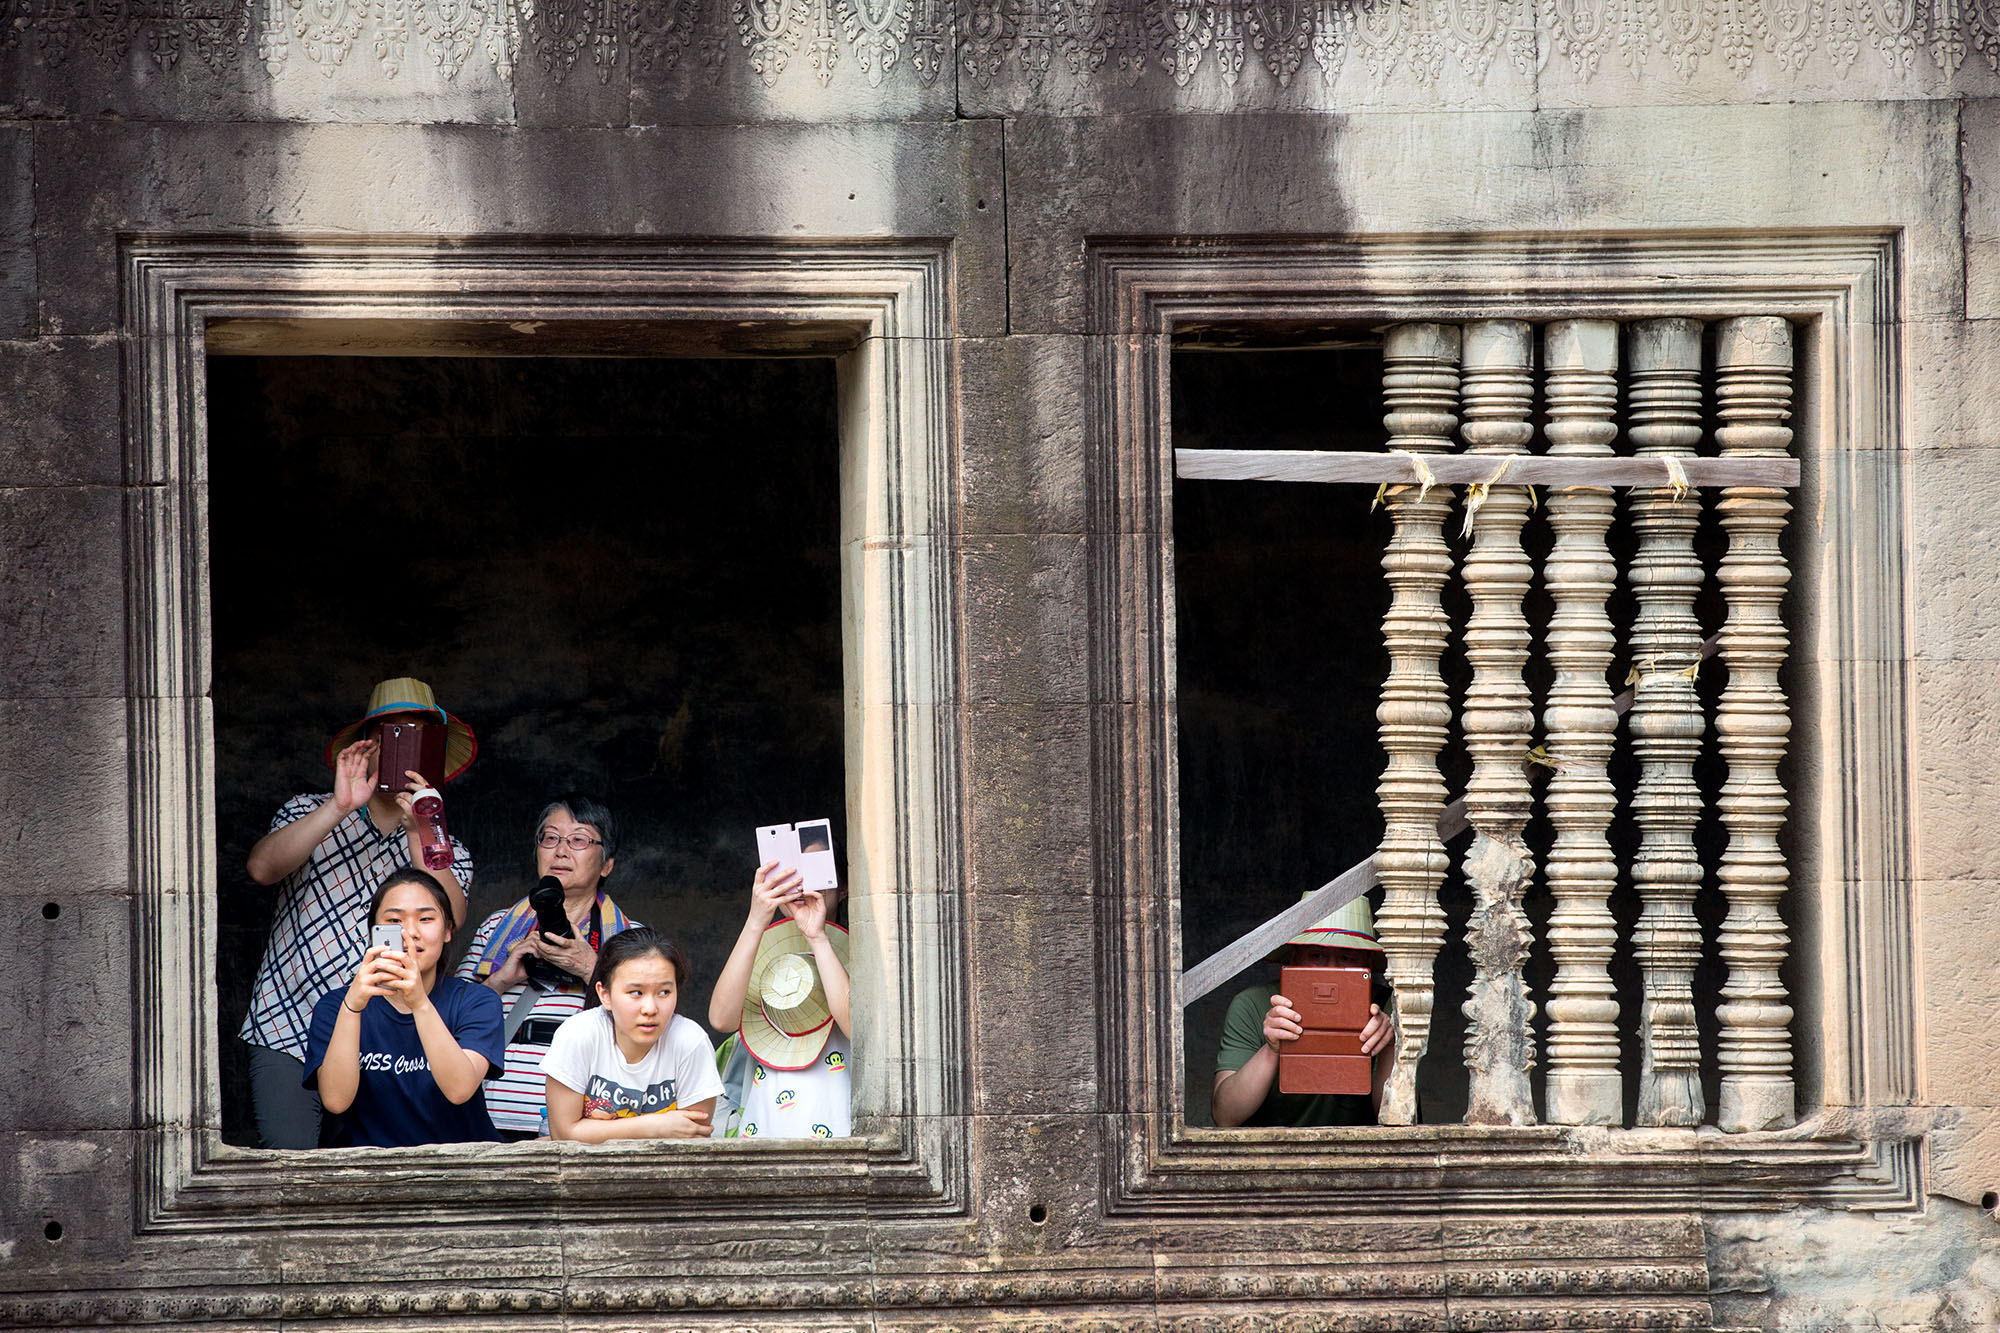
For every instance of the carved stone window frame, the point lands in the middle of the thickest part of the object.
(884, 312)
(1856, 1038)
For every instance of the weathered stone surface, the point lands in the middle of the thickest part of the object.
(65, 1198)
(1956, 610)
(1034, 1040)
(1813, 1269)
(1025, 620)
(1958, 989)
(1979, 128)
(1965, 1158)
(1021, 408)
(1031, 830)
(62, 605)
(63, 979)
(790, 182)
(1949, 409)
(1957, 730)
(19, 288)
(1742, 167)
(57, 757)
(61, 425)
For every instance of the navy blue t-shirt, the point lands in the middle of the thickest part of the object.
(398, 1102)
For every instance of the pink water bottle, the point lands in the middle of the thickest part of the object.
(428, 807)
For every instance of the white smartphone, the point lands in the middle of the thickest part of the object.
(386, 935)
(815, 843)
(779, 843)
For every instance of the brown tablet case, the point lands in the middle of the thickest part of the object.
(1333, 1008)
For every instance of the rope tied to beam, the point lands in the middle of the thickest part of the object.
(1425, 478)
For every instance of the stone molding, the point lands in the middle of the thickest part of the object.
(1853, 863)
(887, 310)
(1272, 45)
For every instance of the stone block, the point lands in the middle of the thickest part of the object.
(1951, 403)
(1965, 1156)
(1955, 494)
(1038, 1188)
(1979, 130)
(793, 183)
(1740, 168)
(1026, 620)
(1958, 935)
(1957, 731)
(1034, 1029)
(1022, 435)
(1805, 1268)
(61, 420)
(62, 596)
(18, 279)
(66, 1199)
(63, 782)
(62, 981)
(1030, 830)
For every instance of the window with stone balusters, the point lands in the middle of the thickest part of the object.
(1520, 612)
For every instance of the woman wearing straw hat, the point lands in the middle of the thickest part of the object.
(327, 853)
(784, 990)
(1246, 1064)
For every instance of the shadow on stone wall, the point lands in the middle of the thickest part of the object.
(623, 573)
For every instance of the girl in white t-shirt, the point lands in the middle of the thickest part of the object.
(632, 1068)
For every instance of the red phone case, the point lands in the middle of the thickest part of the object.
(1333, 1008)
(408, 745)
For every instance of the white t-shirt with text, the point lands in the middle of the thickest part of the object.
(679, 1070)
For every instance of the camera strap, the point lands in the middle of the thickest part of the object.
(517, 1013)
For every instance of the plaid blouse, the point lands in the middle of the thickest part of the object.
(319, 936)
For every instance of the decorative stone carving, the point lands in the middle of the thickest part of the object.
(1754, 397)
(1124, 40)
(1664, 357)
(1420, 390)
(1498, 391)
(1578, 723)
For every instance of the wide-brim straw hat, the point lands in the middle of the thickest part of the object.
(1350, 927)
(406, 695)
(786, 1019)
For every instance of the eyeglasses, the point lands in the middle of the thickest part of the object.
(578, 842)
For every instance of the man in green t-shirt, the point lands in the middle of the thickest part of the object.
(1246, 1064)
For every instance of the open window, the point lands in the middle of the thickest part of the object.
(1273, 346)
(865, 326)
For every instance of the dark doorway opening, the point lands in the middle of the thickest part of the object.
(624, 573)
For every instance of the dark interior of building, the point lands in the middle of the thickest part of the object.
(624, 574)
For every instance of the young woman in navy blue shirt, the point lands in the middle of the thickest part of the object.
(401, 1054)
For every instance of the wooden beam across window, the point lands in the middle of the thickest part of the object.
(1372, 468)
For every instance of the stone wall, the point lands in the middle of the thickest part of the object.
(1021, 1172)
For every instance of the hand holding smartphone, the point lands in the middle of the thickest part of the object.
(806, 847)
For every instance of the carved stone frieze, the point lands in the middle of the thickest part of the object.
(1243, 44)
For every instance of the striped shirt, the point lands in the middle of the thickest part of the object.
(517, 1098)
(319, 935)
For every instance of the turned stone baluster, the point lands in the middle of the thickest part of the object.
(1663, 357)
(1497, 393)
(1754, 398)
(1420, 390)
(1578, 723)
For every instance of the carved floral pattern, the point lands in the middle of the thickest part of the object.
(1242, 44)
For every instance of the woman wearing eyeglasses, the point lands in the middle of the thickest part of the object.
(541, 977)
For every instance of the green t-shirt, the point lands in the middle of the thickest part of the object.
(1243, 1033)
